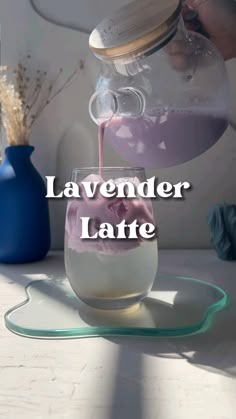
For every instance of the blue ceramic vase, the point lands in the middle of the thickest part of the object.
(24, 213)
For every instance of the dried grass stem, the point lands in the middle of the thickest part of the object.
(24, 101)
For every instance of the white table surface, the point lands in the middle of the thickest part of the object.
(102, 378)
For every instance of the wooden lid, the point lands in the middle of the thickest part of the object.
(134, 28)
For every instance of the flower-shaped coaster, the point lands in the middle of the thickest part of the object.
(177, 306)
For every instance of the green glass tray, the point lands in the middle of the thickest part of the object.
(177, 306)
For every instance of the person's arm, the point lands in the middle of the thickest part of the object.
(218, 20)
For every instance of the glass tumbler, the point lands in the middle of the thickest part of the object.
(110, 273)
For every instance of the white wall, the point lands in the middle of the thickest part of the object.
(65, 137)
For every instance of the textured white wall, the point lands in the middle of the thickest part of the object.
(65, 137)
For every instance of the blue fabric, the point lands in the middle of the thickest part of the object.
(222, 223)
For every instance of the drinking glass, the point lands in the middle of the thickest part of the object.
(110, 273)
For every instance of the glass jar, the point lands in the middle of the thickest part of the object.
(109, 273)
(162, 92)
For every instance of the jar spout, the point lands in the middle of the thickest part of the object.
(131, 102)
(102, 106)
(124, 102)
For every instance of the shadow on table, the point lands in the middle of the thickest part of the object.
(214, 351)
(127, 371)
(22, 274)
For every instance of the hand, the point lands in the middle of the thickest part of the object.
(215, 19)
(218, 19)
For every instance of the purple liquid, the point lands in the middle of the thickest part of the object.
(163, 139)
(101, 131)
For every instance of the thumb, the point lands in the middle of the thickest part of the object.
(193, 4)
(190, 13)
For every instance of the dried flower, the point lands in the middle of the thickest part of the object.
(13, 117)
(23, 103)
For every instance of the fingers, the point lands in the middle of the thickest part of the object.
(194, 4)
(179, 48)
(191, 18)
(180, 55)
(181, 52)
